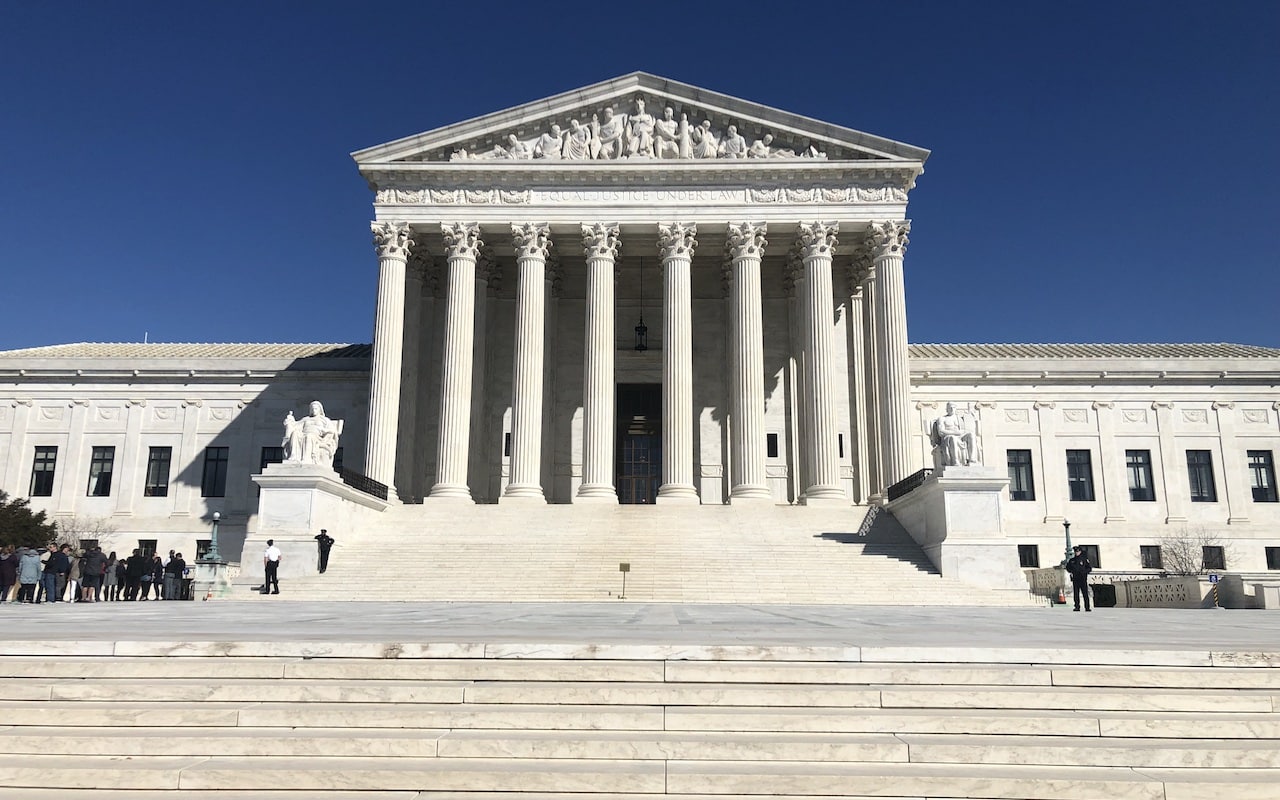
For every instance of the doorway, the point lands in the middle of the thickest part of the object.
(639, 471)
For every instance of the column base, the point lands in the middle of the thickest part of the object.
(753, 495)
(596, 493)
(522, 493)
(678, 494)
(825, 496)
(450, 491)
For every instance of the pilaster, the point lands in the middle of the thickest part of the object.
(1111, 464)
(130, 464)
(1173, 476)
(1053, 464)
(1234, 465)
(676, 242)
(462, 243)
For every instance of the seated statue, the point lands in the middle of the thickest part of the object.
(312, 439)
(955, 442)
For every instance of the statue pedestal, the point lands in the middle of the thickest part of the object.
(956, 516)
(296, 501)
(210, 580)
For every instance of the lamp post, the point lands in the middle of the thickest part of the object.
(1066, 531)
(213, 554)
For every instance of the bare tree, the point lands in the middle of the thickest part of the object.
(74, 530)
(1183, 553)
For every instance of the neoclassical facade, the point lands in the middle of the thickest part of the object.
(645, 292)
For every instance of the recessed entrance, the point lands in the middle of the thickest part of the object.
(639, 442)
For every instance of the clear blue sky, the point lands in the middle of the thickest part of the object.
(1101, 171)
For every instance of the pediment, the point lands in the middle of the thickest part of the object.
(627, 120)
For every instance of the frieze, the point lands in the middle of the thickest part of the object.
(1135, 416)
(767, 195)
(1256, 415)
(1017, 415)
(1075, 415)
(450, 197)
(1195, 416)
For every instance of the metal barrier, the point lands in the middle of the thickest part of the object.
(363, 483)
(907, 484)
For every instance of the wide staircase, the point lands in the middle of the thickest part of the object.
(500, 723)
(711, 554)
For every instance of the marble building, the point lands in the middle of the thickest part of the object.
(646, 292)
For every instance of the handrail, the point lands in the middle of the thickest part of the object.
(907, 484)
(363, 483)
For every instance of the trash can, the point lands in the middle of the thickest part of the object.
(1104, 595)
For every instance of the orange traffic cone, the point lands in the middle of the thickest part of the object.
(1062, 595)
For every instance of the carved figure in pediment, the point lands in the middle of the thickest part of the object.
(760, 148)
(312, 439)
(517, 149)
(578, 142)
(954, 438)
(733, 145)
(705, 144)
(549, 145)
(666, 134)
(609, 134)
(640, 132)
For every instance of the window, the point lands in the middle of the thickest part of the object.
(1022, 484)
(270, 455)
(158, 460)
(42, 471)
(88, 544)
(1029, 555)
(771, 445)
(1262, 473)
(1139, 465)
(1215, 557)
(337, 460)
(506, 444)
(148, 547)
(1091, 553)
(840, 443)
(202, 548)
(1080, 475)
(1273, 558)
(1200, 473)
(100, 472)
(1151, 558)
(214, 481)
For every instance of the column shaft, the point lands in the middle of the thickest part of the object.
(527, 381)
(598, 408)
(889, 242)
(818, 240)
(676, 243)
(747, 445)
(453, 436)
(393, 242)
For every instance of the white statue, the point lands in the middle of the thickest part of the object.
(666, 135)
(312, 439)
(954, 438)
(549, 144)
(517, 149)
(641, 131)
(733, 145)
(704, 141)
(608, 134)
(578, 143)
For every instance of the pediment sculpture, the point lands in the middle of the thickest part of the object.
(954, 438)
(610, 136)
(312, 439)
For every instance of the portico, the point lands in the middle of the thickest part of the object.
(515, 263)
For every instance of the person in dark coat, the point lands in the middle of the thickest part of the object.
(1079, 568)
(324, 542)
(135, 567)
(8, 573)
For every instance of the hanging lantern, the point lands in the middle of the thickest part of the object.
(642, 330)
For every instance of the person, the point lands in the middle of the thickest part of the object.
(157, 575)
(122, 580)
(324, 541)
(271, 568)
(1079, 568)
(954, 439)
(111, 578)
(72, 590)
(135, 566)
(92, 567)
(8, 572)
(57, 564)
(65, 574)
(28, 575)
(173, 572)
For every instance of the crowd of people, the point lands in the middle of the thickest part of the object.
(64, 574)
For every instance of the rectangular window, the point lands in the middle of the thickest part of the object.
(88, 544)
(1080, 475)
(771, 445)
(1215, 557)
(1091, 553)
(158, 461)
(202, 548)
(42, 471)
(1262, 475)
(840, 444)
(506, 444)
(214, 481)
(148, 547)
(1022, 484)
(1273, 558)
(1200, 474)
(270, 455)
(1029, 555)
(1151, 558)
(1138, 463)
(100, 466)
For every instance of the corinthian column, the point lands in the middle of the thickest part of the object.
(392, 240)
(817, 243)
(676, 243)
(532, 243)
(888, 242)
(601, 245)
(462, 243)
(746, 245)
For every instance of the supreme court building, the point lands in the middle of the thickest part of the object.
(646, 292)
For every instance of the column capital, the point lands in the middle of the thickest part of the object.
(860, 268)
(600, 240)
(677, 239)
(532, 239)
(461, 239)
(746, 239)
(817, 238)
(392, 239)
(888, 238)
